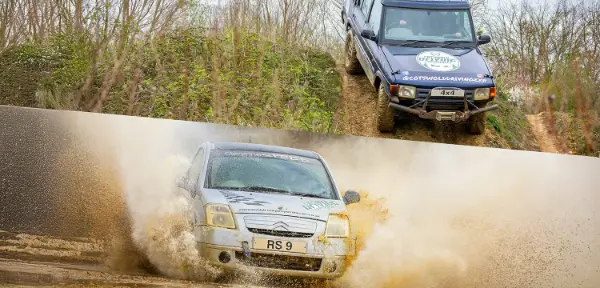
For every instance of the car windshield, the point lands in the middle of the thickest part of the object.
(452, 27)
(268, 172)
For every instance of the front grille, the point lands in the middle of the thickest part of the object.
(283, 226)
(280, 261)
(280, 233)
(442, 102)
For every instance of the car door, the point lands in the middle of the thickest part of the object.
(372, 49)
(364, 53)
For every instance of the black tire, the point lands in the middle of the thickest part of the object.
(476, 124)
(385, 114)
(351, 63)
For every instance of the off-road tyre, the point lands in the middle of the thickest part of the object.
(476, 124)
(385, 114)
(351, 63)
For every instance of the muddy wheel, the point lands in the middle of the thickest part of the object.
(351, 63)
(476, 123)
(385, 114)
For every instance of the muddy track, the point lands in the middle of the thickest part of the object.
(47, 261)
(546, 141)
(356, 115)
(35, 260)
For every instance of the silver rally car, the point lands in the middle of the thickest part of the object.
(271, 208)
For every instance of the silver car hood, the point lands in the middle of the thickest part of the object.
(242, 202)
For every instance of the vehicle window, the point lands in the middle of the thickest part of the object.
(466, 22)
(402, 24)
(195, 170)
(375, 18)
(290, 174)
(366, 6)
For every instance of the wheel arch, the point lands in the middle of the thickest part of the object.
(379, 80)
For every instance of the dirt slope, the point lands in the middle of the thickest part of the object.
(546, 142)
(356, 113)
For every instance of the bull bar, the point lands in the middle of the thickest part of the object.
(455, 116)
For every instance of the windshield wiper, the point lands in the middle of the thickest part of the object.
(448, 43)
(264, 188)
(251, 188)
(308, 195)
(408, 43)
(268, 189)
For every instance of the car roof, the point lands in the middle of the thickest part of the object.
(430, 4)
(262, 148)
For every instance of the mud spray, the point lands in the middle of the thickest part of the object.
(438, 226)
(147, 167)
(415, 230)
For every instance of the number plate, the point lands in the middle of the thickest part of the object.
(437, 92)
(279, 245)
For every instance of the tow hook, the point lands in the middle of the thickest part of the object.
(246, 249)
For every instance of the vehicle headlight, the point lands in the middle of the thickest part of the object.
(219, 215)
(403, 91)
(484, 93)
(337, 226)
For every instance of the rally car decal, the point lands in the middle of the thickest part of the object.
(236, 198)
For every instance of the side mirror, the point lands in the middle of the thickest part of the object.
(368, 34)
(484, 39)
(351, 197)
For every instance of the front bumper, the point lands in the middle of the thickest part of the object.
(225, 248)
(277, 263)
(441, 109)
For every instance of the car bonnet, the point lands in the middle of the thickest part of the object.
(242, 202)
(435, 66)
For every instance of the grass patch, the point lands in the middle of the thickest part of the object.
(511, 124)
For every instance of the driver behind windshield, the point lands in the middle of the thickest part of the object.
(400, 25)
(452, 26)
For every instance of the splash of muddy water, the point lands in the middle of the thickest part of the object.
(147, 170)
(453, 221)
(449, 217)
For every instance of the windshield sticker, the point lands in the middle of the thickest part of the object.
(313, 205)
(444, 78)
(266, 155)
(438, 61)
(236, 198)
(279, 211)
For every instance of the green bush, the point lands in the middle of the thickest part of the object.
(260, 83)
(511, 123)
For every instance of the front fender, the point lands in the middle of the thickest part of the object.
(380, 79)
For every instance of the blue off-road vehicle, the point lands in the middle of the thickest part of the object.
(423, 58)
